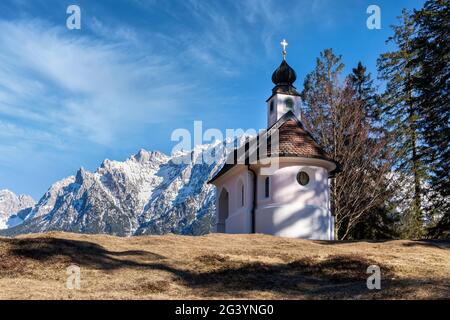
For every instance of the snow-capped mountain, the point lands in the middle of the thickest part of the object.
(11, 205)
(149, 193)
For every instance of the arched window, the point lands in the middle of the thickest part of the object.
(267, 187)
(223, 211)
(241, 194)
(272, 106)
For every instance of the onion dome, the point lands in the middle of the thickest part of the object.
(283, 78)
(284, 75)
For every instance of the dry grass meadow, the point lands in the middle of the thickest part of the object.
(219, 266)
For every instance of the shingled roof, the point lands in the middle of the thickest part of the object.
(294, 141)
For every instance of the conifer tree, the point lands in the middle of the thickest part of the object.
(364, 88)
(432, 83)
(401, 117)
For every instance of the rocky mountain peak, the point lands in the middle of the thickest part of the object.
(11, 204)
(149, 193)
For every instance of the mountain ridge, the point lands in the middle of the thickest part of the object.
(12, 206)
(148, 193)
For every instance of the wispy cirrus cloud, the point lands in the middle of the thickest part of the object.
(104, 84)
(83, 87)
(222, 34)
(94, 86)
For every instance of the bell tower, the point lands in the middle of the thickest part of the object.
(284, 96)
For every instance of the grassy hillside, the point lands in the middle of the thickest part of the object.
(219, 266)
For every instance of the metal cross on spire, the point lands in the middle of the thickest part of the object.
(284, 44)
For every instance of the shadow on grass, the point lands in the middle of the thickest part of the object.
(339, 276)
(82, 253)
(334, 242)
(442, 244)
(335, 277)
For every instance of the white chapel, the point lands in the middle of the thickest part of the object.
(278, 183)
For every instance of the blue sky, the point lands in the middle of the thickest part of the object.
(139, 69)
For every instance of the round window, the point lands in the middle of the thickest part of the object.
(289, 104)
(302, 178)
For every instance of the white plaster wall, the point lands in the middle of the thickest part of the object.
(306, 222)
(285, 188)
(293, 210)
(239, 217)
(280, 107)
(239, 221)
